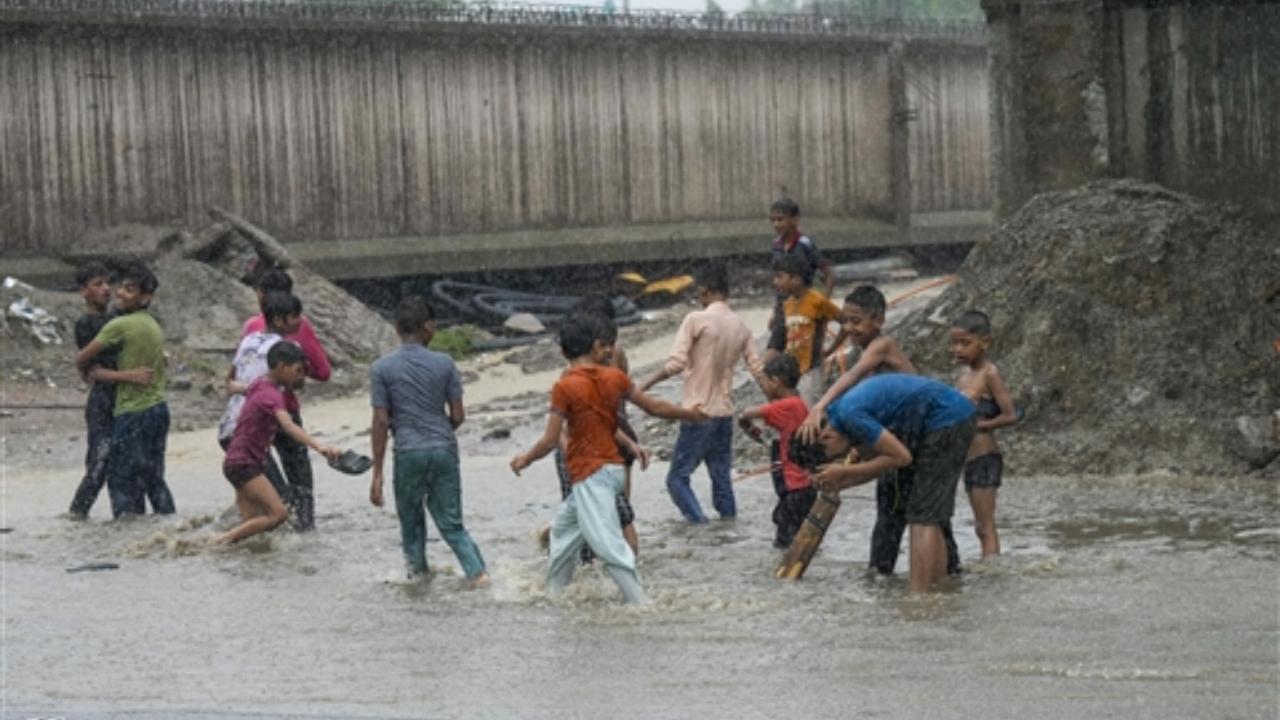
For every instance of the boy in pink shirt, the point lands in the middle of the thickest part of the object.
(708, 346)
(262, 416)
(293, 457)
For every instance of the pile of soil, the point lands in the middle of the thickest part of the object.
(203, 298)
(1134, 325)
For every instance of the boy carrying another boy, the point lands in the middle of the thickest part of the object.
(862, 320)
(980, 381)
(140, 416)
(784, 412)
(784, 216)
(806, 313)
(283, 313)
(293, 457)
(94, 281)
(409, 389)
(263, 414)
(586, 398)
(707, 347)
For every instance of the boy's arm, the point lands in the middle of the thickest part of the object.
(828, 277)
(871, 357)
(890, 454)
(457, 413)
(378, 439)
(752, 360)
(136, 376)
(1008, 415)
(748, 427)
(87, 354)
(318, 368)
(679, 358)
(663, 409)
(297, 433)
(545, 444)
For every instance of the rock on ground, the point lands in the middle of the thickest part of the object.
(1133, 324)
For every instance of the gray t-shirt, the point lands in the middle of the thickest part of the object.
(415, 384)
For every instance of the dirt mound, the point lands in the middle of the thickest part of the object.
(1134, 325)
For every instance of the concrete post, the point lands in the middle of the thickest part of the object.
(899, 137)
(1048, 93)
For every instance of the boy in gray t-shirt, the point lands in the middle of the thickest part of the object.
(410, 389)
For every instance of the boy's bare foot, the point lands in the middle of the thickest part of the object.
(219, 539)
(544, 538)
(480, 581)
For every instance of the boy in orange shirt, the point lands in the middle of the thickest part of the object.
(806, 313)
(586, 398)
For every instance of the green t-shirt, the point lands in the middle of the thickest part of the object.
(140, 342)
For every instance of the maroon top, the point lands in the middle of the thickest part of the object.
(257, 425)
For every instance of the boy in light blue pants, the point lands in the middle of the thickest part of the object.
(586, 398)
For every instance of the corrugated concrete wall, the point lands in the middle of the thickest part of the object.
(324, 135)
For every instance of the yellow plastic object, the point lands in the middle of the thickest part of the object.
(635, 278)
(670, 286)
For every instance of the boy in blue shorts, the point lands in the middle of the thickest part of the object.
(903, 421)
(140, 418)
(586, 398)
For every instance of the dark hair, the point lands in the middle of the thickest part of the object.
(284, 353)
(868, 298)
(579, 332)
(793, 264)
(595, 303)
(786, 206)
(278, 304)
(975, 322)
(809, 456)
(412, 313)
(140, 275)
(89, 272)
(784, 369)
(713, 277)
(275, 279)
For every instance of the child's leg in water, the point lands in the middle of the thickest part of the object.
(983, 502)
(260, 507)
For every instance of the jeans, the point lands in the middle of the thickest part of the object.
(98, 423)
(136, 471)
(431, 476)
(710, 441)
(590, 516)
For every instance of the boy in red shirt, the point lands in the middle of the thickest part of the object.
(784, 412)
(264, 411)
(586, 398)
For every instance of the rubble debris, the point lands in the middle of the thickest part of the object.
(1134, 325)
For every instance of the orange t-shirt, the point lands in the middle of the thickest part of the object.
(806, 319)
(588, 398)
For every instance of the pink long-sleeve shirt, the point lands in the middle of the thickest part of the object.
(707, 347)
(318, 368)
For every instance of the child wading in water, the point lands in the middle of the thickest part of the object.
(980, 381)
(784, 412)
(264, 411)
(586, 398)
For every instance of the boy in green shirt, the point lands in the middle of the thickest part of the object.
(141, 416)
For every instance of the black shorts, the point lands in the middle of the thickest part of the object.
(238, 474)
(938, 462)
(984, 471)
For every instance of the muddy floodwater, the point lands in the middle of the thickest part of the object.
(1116, 598)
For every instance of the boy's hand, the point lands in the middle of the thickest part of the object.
(830, 477)
(751, 430)
(329, 452)
(809, 429)
(518, 463)
(375, 489)
(643, 456)
(831, 364)
(140, 376)
(696, 414)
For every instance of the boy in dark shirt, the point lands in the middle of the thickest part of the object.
(784, 216)
(94, 281)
